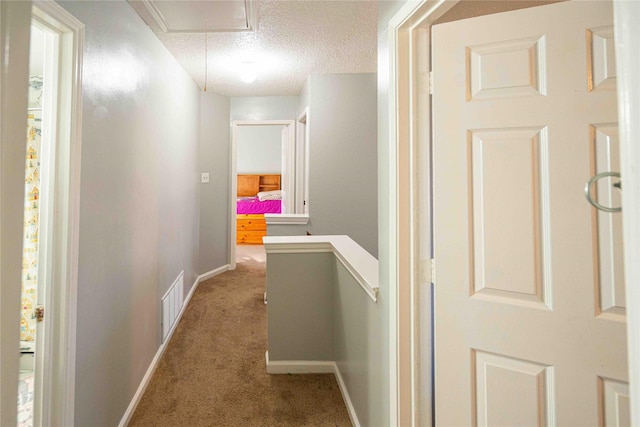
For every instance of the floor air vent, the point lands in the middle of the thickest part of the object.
(172, 304)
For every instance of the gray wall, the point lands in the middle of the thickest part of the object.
(14, 72)
(360, 348)
(264, 108)
(259, 149)
(318, 311)
(215, 140)
(303, 101)
(300, 292)
(287, 229)
(139, 203)
(343, 166)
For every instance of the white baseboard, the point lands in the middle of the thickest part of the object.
(315, 367)
(299, 366)
(154, 363)
(212, 273)
(347, 399)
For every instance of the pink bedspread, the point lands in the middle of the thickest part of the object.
(254, 206)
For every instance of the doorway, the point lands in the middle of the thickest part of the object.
(35, 231)
(253, 133)
(50, 228)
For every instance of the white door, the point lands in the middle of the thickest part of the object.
(529, 301)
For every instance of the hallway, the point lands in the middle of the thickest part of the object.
(213, 371)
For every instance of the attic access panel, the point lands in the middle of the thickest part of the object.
(188, 16)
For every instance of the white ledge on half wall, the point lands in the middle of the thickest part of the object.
(361, 264)
(286, 218)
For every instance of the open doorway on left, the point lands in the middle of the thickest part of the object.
(45, 197)
(33, 283)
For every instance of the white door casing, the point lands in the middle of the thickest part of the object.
(286, 171)
(302, 163)
(59, 250)
(289, 127)
(627, 40)
(409, 212)
(15, 18)
(520, 336)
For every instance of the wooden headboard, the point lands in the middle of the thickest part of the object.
(251, 185)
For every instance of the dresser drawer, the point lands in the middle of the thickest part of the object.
(251, 223)
(250, 237)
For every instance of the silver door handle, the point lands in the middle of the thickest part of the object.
(595, 178)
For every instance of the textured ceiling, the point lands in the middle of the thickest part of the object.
(292, 40)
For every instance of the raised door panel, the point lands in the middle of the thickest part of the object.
(512, 392)
(509, 215)
(614, 403)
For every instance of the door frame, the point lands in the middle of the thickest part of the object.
(409, 214)
(627, 39)
(302, 163)
(410, 128)
(233, 175)
(58, 371)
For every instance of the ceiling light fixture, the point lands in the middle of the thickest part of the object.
(248, 72)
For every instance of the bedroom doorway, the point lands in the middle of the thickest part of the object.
(49, 204)
(263, 178)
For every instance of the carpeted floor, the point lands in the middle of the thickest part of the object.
(213, 371)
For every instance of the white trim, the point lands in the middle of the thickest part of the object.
(286, 219)
(351, 410)
(155, 13)
(233, 192)
(408, 44)
(296, 248)
(209, 274)
(263, 122)
(59, 409)
(173, 285)
(360, 263)
(289, 187)
(299, 366)
(47, 288)
(302, 188)
(161, 22)
(627, 40)
(315, 367)
(144, 383)
(233, 174)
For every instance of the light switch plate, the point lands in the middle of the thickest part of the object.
(204, 177)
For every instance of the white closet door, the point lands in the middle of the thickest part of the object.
(529, 301)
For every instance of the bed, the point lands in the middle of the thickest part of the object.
(250, 210)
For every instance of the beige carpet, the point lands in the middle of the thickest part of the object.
(213, 371)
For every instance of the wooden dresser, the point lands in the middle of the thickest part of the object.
(250, 229)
